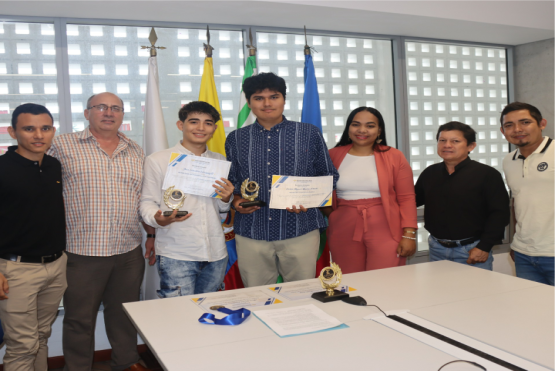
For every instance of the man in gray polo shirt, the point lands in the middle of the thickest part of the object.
(530, 171)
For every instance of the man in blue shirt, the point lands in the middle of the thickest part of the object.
(273, 242)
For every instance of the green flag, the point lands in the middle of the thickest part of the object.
(246, 117)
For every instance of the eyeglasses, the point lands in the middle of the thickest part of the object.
(103, 107)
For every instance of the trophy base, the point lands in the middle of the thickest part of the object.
(179, 213)
(252, 203)
(324, 298)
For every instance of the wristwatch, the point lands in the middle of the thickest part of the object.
(150, 235)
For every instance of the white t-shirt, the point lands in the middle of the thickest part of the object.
(531, 181)
(358, 178)
(199, 238)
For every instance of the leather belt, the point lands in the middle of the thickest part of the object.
(456, 243)
(32, 259)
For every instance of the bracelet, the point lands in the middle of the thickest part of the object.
(150, 235)
(410, 238)
(413, 232)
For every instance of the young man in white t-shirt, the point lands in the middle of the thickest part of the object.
(191, 252)
(530, 171)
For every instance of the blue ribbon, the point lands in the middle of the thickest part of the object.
(234, 317)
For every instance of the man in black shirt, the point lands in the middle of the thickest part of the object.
(466, 202)
(33, 239)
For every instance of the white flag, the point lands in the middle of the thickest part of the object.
(154, 140)
(154, 130)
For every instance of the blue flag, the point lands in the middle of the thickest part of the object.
(311, 100)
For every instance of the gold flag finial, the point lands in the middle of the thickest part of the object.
(306, 47)
(250, 45)
(207, 47)
(152, 38)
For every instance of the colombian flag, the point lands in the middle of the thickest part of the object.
(209, 94)
(232, 279)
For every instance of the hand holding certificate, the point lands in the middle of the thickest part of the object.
(197, 175)
(295, 191)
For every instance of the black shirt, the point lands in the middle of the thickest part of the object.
(471, 202)
(32, 215)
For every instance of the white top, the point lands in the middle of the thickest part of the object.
(531, 181)
(358, 178)
(199, 238)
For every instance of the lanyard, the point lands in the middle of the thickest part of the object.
(234, 317)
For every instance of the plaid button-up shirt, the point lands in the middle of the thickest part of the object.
(101, 193)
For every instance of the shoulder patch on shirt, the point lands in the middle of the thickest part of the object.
(542, 166)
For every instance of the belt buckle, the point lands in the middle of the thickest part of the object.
(42, 258)
(447, 243)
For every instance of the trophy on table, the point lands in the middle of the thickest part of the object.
(330, 278)
(174, 199)
(251, 187)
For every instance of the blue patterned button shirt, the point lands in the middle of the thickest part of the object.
(289, 148)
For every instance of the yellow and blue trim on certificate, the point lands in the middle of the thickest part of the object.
(278, 180)
(176, 158)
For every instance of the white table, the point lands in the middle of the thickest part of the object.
(509, 313)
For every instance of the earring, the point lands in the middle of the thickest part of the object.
(379, 141)
(349, 140)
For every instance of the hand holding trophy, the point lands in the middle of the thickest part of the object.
(174, 199)
(251, 187)
(330, 278)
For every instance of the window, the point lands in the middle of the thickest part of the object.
(467, 93)
(27, 71)
(350, 73)
(110, 59)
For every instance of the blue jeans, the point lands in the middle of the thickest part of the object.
(456, 254)
(535, 268)
(181, 277)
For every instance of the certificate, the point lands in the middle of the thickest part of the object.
(301, 320)
(303, 290)
(301, 190)
(235, 301)
(195, 175)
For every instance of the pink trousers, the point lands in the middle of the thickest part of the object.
(359, 237)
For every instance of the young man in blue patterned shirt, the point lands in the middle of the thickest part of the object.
(271, 242)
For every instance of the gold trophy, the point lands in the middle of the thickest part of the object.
(330, 278)
(251, 187)
(174, 199)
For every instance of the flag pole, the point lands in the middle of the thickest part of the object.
(245, 116)
(154, 140)
(209, 94)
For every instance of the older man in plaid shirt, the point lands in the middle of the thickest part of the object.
(102, 177)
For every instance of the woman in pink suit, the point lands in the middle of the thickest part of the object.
(372, 223)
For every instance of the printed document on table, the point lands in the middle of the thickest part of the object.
(307, 191)
(303, 290)
(301, 320)
(195, 175)
(236, 301)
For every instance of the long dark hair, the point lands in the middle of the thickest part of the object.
(345, 140)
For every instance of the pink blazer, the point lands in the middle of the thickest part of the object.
(396, 184)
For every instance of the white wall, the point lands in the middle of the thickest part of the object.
(534, 78)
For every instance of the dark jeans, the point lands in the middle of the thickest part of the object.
(92, 280)
(535, 268)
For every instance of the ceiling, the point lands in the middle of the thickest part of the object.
(499, 22)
